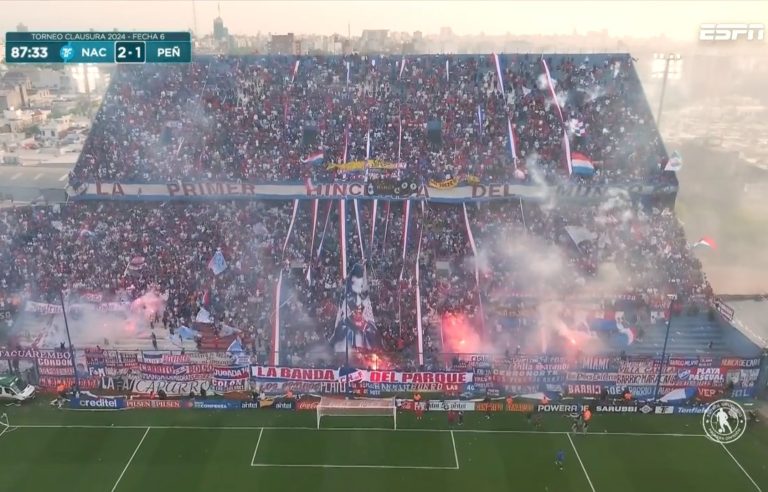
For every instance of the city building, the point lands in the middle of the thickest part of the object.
(284, 44)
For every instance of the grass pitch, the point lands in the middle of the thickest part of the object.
(196, 450)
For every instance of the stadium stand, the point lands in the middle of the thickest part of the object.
(437, 278)
(260, 119)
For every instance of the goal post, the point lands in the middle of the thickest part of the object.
(4, 421)
(359, 407)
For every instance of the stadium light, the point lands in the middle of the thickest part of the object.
(668, 66)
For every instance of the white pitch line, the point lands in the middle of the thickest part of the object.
(38, 176)
(742, 468)
(388, 467)
(131, 458)
(15, 176)
(258, 441)
(63, 177)
(455, 454)
(349, 429)
(581, 463)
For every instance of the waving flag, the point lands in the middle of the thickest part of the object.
(705, 241)
(631, 333)
(582, 165)
(480, 118)
(497, 62)
(204, 316)
(347, 73)
(275, 355)
(315, 159)
(551, 85)
(511, 136)
(576, 127)
(675, 162)
(217, 264)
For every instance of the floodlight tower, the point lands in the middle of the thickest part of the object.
(665, 66)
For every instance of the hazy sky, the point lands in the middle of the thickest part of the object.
(676, 19)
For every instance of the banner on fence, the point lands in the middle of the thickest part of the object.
(446, 405)
(561, 408)
(216, 404)
(333, 375)
(98, 403)
(171, 388)
(307, 403)
(228, 379)
(459, 193)
(144, 403)
(175, 372)
(617, 409)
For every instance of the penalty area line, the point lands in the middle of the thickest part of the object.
(455, 453)
(757, 487)
(258, 441)
(384, 467)
(581, 463)
(131, 459)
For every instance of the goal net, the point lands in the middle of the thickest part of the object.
(360, 407)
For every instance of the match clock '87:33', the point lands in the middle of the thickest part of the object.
(37, 52)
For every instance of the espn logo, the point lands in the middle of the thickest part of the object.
(731, 32)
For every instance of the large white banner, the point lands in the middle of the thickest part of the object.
(171, 388)
(45, 308)
(331, 375)
(468, 192)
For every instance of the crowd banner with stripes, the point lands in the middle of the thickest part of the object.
(566, 143)
(406, 221)
(325, 228)
(315, 206)
(367, 153)
(419, 328)
(512, 148)
(343, 237)
(373, 225)
(359, 230)
(551, 86)
(386, 224)
(477, 269)
(275, 357)
(497, 62)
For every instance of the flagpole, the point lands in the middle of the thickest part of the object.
(522, 213)
(69, 339)
(672, 300)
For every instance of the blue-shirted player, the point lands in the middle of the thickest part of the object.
(560, 459)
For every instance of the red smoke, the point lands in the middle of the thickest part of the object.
(459, 336)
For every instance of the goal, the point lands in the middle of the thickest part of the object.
(359, 407)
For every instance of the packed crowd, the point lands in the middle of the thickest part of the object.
(261, 118)
(522, 250)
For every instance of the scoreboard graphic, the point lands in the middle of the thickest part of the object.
(98, 47)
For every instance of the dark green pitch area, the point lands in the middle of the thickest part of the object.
(219, 451)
